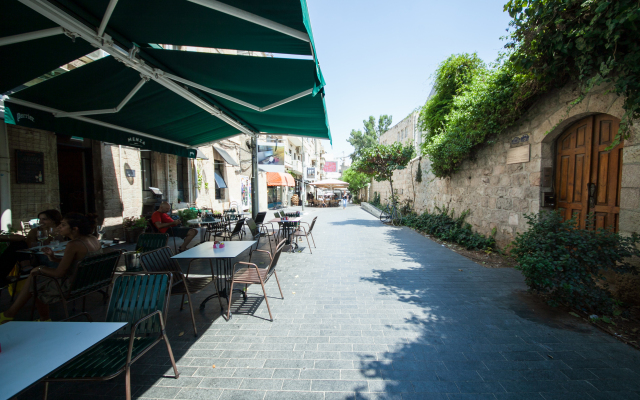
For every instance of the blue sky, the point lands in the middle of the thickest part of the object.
(377, 56)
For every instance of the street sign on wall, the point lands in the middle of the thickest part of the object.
(331, 166)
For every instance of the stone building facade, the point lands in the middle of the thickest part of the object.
(498, 194)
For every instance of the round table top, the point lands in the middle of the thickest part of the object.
(203, 221)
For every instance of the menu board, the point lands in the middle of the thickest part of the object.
(29, 166)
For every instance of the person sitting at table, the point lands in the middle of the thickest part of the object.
(78, 228)
(49, 220)
(162, 221)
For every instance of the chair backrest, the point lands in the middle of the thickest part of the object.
(312, 224)
(151, 241)
(253, 228)
(160, 260)
(94, 273)
(260, 217)
(153, 226)
(136, 295)
(276, 257)
(238, 227)
(218, 226)
(280, 213)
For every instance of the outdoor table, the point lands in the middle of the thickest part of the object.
(223, 259)
(59, 249)
(288, 232)
(33, 350)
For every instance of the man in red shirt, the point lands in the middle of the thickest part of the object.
(161, 220)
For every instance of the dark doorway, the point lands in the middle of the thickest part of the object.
(75, 172)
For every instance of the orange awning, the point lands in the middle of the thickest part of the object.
(280, 179)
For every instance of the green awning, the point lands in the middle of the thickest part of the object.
(22, 62)
(181, 97)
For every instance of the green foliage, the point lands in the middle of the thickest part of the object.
(593, 42)
(134, 223)
(187, 214)
(451, 76)
(445, 226)
(356, 180)
(419, 173)
(490, 101)
(363, 140)
(567, 263)
(381, 160)
(376, 200)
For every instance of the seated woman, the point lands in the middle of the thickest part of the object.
(78, 228)
(49, 219)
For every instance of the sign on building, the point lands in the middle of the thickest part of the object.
(331, 166)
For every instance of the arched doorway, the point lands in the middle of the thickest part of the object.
(587, 175)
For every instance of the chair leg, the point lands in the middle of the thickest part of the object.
(314, 241)
(229, 302)
(173, 361)
(127, 381)
(276, 275)
(46, 390)
(308, 244)
(266, 300)
(193, 318)
(182, 303)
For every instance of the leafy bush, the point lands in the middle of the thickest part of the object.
(445, 226)
(376, 200)
(566, 263)
(187, 214)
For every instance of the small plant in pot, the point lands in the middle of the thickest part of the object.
(133, 227)
(218, 245)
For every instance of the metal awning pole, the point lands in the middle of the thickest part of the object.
(255, 198)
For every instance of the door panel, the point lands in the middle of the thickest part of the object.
(606, 172)
(583, 159)
(574, 161)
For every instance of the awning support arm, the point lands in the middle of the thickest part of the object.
(247, 16)
(23, 37)
(106, 17)
(107, 110)
(235, 100)
(92, 121)
(105, 43)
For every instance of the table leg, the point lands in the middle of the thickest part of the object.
(224, 270)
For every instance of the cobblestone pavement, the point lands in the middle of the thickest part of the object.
(378, 312)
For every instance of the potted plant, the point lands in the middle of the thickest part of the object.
(133, 227)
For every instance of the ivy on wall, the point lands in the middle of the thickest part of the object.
(553, 42)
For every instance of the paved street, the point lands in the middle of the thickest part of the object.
(378, 312)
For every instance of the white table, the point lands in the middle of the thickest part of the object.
(223, 258)
(33, 350)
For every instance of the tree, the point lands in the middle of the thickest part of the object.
(357, 180)
(381, 160)
(363, 140)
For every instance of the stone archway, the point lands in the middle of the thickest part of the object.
(587, 175)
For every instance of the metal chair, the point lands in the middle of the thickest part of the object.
(302, 231)
(151, 241)
(141, 301)
(93, 274)
(215, 229)
(160, 261)
(255, 232)
(228, 235)
(251, 274)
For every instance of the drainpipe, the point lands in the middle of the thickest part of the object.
(255, 198)
(5, 179)
(121, 183)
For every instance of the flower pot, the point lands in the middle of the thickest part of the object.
(132, 234)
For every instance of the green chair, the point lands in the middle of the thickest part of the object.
(94, 274)
(140, 300)
(151, 241)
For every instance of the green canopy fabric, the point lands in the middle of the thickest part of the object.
(22, 62)
(185, 23)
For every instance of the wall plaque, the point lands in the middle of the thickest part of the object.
(29, 166)
(517, 155)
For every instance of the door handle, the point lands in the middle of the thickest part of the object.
(592, 195)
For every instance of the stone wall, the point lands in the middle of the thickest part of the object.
(27, 199)
(499, 195)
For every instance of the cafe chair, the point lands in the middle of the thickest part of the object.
(160, 261)
(215, 229)
(250, 274)
(255, 232)
(151, 241)
(228, 235)
(302, 231)
(141, 300)
(93, 274)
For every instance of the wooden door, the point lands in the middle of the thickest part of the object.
(588, 176)
(606, 173)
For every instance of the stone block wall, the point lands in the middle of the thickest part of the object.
(499, 195)
(27, 199)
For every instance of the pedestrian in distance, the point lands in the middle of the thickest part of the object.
(344, 200)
